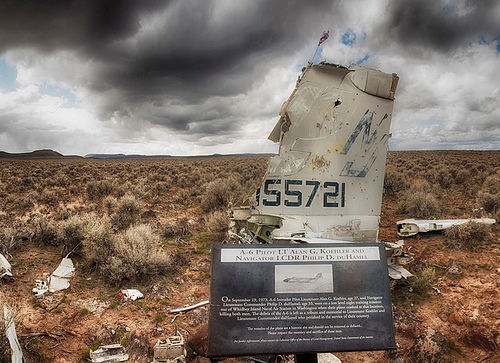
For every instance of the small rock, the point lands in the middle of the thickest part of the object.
(454, 269)
(50, 302)
(456, 318)
(428, 347)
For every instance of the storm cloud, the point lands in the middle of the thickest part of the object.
(196, 77)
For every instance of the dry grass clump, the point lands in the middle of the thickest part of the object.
(394, 181)
(98, 243)
(421, 283)
(489, 195)
(136, 254)
(97, 190)
(220, 193)
(468, 235)
(126, 212)
(419, 202)
(71, 233)
(180, 228)
(44, 231)
(217, 224)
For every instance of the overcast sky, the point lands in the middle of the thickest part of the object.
(191, 77)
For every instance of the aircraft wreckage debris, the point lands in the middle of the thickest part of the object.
(109, 353)
(200, 304)
(326, 183)
(411, 227)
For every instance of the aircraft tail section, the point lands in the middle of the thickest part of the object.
(327, 180)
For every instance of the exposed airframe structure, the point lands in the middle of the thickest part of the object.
(326, 183)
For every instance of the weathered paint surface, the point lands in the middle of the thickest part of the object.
(327, 180)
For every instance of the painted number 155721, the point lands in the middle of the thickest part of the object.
(294, 194)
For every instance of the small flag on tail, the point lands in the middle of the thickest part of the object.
(324, 37)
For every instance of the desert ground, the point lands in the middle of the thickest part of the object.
(149, 224)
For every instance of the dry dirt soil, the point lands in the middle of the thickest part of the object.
(457, 319)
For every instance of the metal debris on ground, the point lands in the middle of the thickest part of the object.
(170, 350)
(132, 294)
(410, 227)
(396, 258)
(59, 280)
(5, 267)
(179, 310)
(41, 287)
(109, 353)
(10, 331)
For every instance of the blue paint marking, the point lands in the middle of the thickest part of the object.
(368, 139)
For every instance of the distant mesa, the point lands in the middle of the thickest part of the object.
(51, 154)
(41, 154)
(123, 156)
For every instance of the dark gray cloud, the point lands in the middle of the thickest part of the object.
(443, 25)
(193, 51)
(192, 66)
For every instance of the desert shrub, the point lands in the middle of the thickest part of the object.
(219, 193)
(421, 283)
(97, 190)
(110, 204)
(468, 235)
(461, 175)
(441, 176)
(394, 182)
(136, 255)
(489, 202)
(492, 183)
(489, 195)
(98, 243)
(419, 205)
(71, 233)
(51, 196)
(420, 186)
(217, 224)
(8, 237)
(127, 212)
(179, 228)
(44, 231)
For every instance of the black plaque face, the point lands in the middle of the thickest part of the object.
(267, 299)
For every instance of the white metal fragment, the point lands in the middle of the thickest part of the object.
(410, 227)
(109, 353)
(10, 331)
(178, 310)
(132, 294)
(41, 287)
(5, 267)
(59, 280)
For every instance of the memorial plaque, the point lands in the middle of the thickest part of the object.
(267, 299)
